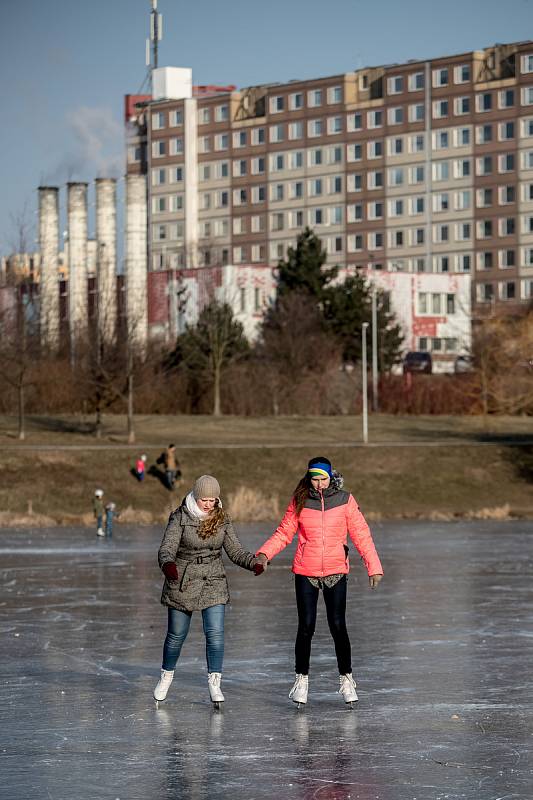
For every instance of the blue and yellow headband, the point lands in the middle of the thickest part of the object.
(320, 470)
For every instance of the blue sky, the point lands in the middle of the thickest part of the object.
(66, 65)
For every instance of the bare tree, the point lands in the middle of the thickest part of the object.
(19, 348)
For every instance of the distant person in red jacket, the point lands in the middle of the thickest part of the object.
(140, 467)
(322, 514)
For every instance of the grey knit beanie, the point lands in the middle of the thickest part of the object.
(206, 486)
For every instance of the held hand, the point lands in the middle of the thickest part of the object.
(171, 571)
(374, 581)
(261, 564)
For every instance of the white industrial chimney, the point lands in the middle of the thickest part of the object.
(106, 255)
(49, 280)
(77, 258)
(136, 258)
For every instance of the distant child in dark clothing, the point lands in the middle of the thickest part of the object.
(110, 514)
(98, 511)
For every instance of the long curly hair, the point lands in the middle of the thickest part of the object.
(212, 523)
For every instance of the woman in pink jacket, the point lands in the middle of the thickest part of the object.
(322, 514)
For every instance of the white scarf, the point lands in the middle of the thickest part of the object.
(194, 509)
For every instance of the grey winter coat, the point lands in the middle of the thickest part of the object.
(203, 584)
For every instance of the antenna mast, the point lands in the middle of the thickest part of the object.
(156, 34)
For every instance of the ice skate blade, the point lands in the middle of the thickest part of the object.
(217, 705)
(299, 705)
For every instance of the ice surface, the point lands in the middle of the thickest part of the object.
(442, 654)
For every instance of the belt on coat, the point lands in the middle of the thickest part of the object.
(192, 559)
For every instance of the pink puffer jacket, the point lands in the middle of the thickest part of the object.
(322, 526)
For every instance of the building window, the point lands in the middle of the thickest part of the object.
(176, 118)
(484, 165)
(239, 139)
(296, 130)
(354, 122)
(506, 98)
(296, 159)
(204, 116)
(334, 125)
(276, 133)
(296, 101)
(315, 127)
(416, 112)
(395, 115)
(314, 98)
(159, 148)
(375, 149)
(461, 74)
(221, 141)
(440, 77)
(484, 134)
(222, 113)
(375, 180)
(375, 210)
(441, 171)
(440, 109)
(484, 102)
(354, 152)
(395, 85)
(396, 176)
(354, 182)
(334, 95)
(158, 121)
(506, 162)
(462, 105)
(258, 136)
(276, 104)
(416, 81)
(506, 131)
(508, 290)
(374, 119)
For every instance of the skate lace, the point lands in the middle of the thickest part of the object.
(298, 683)
(214, 680)
(346, 683)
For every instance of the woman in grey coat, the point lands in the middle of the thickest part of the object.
(190, 556)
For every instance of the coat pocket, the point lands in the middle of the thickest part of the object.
(184, 578)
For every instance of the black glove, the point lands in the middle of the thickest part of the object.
(171, 571)
(260, 564)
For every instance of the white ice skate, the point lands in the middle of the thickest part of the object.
(213, 682)
(298, 693)
(163, 685)
(347, 688)
(100, 532)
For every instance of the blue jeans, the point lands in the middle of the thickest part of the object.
(178, 628)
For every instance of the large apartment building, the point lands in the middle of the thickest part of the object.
(425, 167)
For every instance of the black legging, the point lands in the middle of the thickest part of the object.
(335, 600)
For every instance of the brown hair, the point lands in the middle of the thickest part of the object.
(212, 523)
(301, 493)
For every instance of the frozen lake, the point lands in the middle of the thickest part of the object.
(442, 655)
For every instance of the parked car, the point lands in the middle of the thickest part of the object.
(463, 364)
(417, 361)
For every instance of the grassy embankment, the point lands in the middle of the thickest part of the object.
(427, 467)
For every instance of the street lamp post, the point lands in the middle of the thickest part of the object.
(365, 391)
(374, 350)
